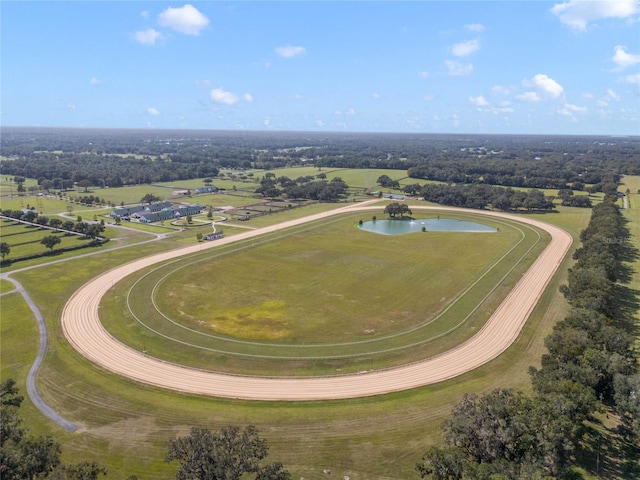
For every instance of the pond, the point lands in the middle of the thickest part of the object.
(398, 227)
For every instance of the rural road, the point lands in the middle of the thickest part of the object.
(82, 327)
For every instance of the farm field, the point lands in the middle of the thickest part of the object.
(25, 240)
(126, 425)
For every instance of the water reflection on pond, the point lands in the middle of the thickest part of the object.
(398, 227)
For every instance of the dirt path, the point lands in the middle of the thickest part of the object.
(82, 327)
(32, 388)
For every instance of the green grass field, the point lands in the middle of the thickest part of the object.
(25, 240)
(632, 214)
(322, 299)
(126, 426)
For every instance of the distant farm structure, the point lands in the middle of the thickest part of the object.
(156, 212)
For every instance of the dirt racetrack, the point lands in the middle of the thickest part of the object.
(82, 327)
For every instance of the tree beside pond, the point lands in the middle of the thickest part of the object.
(396, 208)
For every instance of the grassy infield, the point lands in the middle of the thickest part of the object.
(126, 426)
(335, 292)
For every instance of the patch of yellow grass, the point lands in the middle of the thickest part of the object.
(265, 321)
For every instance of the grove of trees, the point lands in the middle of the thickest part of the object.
(481, 196)
(306, 187)
(227, 454)
(27, 457)
(396, 208)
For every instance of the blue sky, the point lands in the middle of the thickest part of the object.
(533, 67)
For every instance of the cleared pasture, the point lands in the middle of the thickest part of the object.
(354, 177)
(9, 187)
(222, 199)
(25, 240)
(6, 286)
(632, 214)
(126, 426)
(130, 194)
(323, 299)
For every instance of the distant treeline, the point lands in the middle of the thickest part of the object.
(481, 196)
(104, 170)
(553, 172)
(591, 364)
(121, 157)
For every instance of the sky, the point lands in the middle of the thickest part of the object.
(480, 67)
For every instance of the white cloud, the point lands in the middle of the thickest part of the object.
(474, 27)
(577, 14)
(425, 74)
(633, 79)
(612, 95)
(147, 37)
(485, 106)
(153, 111)
(529, 97)
(187, 19)
(544, 85)
(248, 97)
(570, 110)
(458, 69)
(375, 95)
(463, 49)
(454, 120)
(501, 90)
(290, 51)
(429, 98)
(623, 59)
(348, 111)
(504, 107)
(479, 101)
(94, 81)
(223, 97)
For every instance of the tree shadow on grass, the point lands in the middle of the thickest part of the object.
(627, 305)
(606, 452)
(627, 253)
(627, 299)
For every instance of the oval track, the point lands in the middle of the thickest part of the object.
(83, 329)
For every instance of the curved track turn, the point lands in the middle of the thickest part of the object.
(83, 329)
